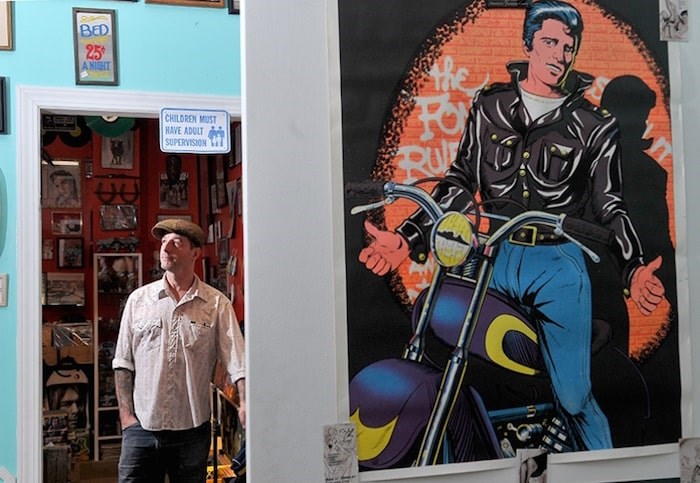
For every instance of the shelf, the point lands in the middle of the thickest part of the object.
(108, 306)
(114, 437)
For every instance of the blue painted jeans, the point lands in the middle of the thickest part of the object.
(551, 283)
(147, 456)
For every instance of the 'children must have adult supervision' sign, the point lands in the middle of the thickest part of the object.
(194, 131)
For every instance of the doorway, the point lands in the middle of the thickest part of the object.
(31, 103)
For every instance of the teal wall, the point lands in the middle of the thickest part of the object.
(161, 48)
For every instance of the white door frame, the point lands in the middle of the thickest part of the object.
(31, 102)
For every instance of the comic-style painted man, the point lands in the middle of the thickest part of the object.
(537, 142)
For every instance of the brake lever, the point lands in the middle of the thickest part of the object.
(372, 206)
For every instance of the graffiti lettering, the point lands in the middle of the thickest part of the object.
(423, 161)
(664, 146)
(447, 80)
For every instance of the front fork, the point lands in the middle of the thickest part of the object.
(456, 368)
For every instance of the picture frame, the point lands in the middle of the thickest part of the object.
(174, 187)
(234, 7)
(61, 184)
(176, 217)
(220, 182)
(65, 288)
(118, 217)
(3, 107)
(223, 251)
(70, 253)
(6, 31)
(117, 272)
(47, 249)
(67, 223)
(239, 194)
(118, 152)
(95, 46)
(191, 3)
(238, 144)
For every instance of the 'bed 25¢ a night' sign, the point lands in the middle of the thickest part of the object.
(195, 131)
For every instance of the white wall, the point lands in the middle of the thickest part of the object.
(294, 285)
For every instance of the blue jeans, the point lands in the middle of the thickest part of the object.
(147, 456)
(551, 282)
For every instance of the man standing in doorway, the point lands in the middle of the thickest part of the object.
(538, 144)
(172, 333)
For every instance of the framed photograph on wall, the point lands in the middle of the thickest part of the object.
(67, 223)
(174, 217)
(118, 152)
(65, 288)
(118, 217)
(234, 7)
(6, 34)
(70, 252)
(191, 3)
(223, 251)
(61, 184)
(95, 46)
(220, 182)
(47, 249)
(3, 107)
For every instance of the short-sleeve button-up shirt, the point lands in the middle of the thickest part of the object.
(172, 348)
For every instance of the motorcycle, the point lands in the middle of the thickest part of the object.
(424, 407)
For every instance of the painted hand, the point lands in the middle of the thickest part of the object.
(646, 290)
(385, 253)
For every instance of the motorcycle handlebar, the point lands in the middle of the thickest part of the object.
(354, 189)
(573, 227)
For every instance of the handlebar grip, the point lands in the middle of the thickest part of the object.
(355, 189)
(577, 227)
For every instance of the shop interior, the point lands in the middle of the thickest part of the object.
(104, 183)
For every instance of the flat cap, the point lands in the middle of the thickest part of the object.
(190, 230)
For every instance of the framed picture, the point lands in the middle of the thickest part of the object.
(6, 34)
(176, 217)
(70, 252)
(191, 3)
(67, 223)
(238, 144)
(47, 249)
(213, 199)
(239, 194)
(223, 251)
(60, 184)
(118, 217)
(65, 288)
(95, 46)
(234, 7)
(220, 182)
(3, 107)
(118, 272)
(174, 185)
(118, 152)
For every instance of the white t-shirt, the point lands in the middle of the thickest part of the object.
(538, 106)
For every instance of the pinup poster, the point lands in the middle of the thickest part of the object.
(556, 351)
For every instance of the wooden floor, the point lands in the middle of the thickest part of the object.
(98, 472)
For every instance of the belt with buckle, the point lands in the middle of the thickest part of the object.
(530, 236)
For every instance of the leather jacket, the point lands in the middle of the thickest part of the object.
(560, 163)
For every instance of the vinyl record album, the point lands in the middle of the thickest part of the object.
(78, 137)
